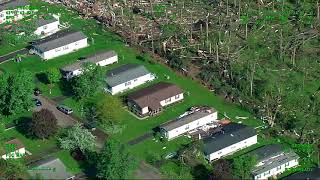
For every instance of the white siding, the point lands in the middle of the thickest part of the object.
(278, 170)
(16, 154)
(233, 148)
(108, 61)
(131, 84)
(47, 29)
(63, 50)
(192, 125)
(171, 100)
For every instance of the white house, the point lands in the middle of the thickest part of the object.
(151, 100)
(127, 77)
(273, 160)
(232, 138)
(14, 10)
(13, 149)
(101, 59)
(60, 43)
(188, 122)
(46, 27)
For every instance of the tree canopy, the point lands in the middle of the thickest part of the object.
(242, 166)
(44, 124)
(12, 168)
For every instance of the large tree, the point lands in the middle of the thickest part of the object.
(89, 82)
(43, 124)
(11, 168)
(16, 92)
(242, 167)
(109, 110)
(78, 138)
(114, 161)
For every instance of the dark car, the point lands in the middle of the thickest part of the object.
(37, 92)
(38, 103)
(65, 109)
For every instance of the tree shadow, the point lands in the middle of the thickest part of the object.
(23, 126)
(42, 78)
(200, 172)
(65, 87)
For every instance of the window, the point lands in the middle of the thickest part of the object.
(135, 80)
(65, 47)
(127, 83)
(198, 123)
(219, 152)
(45, 27)
(168, 100)
(77, 43)
(287, 164)
(187, 127)
(266, 173)
(177, 96)
(278, 168)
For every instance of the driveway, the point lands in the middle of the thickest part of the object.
(12, 55)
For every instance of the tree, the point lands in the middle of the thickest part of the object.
(89, 83)
(221, 170)
(53, 76)
(3, 92)
(242, 166)
(115, 161)
(43, 124)
(11, 168)
(91, 114)
(109, 110)
(19, 92)
(78, 138)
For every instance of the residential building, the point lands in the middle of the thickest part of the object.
(50, 168)
(188, 122)
(232, 138)
(14, 10)
(151, 100)
(103, 58)
(13, 149)
(273, 160)
(46, 27)
(127, 77)
(60, 43)
(312, 174)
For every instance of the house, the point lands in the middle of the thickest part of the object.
(151, 100)
(46, 27)
(101, 59)
(127, 77)
(313, 174)
(232, 137)
(273, 160)
(60, 43)
(50, 168)
(13, 149)
(14, 10)
(188, 122)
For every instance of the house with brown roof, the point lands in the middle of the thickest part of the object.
(151, 100)
(12, 149)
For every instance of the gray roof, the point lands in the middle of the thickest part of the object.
(42, 22)
(310, 175)
(93, 58)
(187, 119)
(267, 151)
(125, 73)
(50, 168)
(275, 162)
(230, 134)
(59, 39)
(12, 4)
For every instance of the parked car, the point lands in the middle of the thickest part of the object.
(65, 109)
(38, 103)
(37, 92)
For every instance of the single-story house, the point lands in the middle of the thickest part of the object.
(273, 160)
(12, 149)
(101, 59)
(312, 174)
(47, 27)
(60, 43)
(127, 77)
(14, 10)
(151, 100)
(50, 168)
(191, 121)
(232, 137)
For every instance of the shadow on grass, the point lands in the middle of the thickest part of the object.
(41, 77)
(87, 162)
(200, 172)
(23, 127)
(65, 87)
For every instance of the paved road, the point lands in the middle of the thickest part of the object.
(12, 55)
